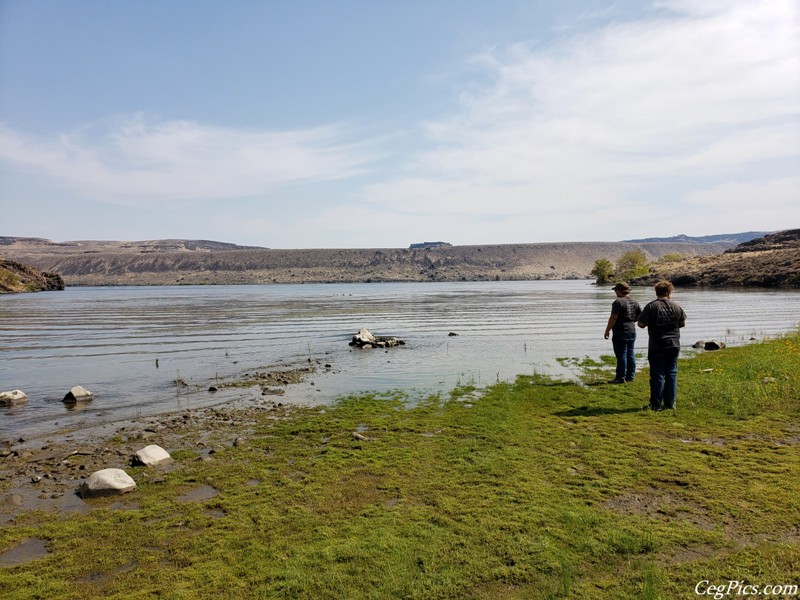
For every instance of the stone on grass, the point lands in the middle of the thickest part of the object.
(13, 398)
(714, 345)
(151, 455)
(107, 482)
(709, 345)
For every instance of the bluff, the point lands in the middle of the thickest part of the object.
(769, 261)
(18, 277)
(171, 262)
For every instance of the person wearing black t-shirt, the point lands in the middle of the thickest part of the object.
(663, 318)
(622, 322)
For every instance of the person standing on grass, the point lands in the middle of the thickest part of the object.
(663, 318)
(624, 313)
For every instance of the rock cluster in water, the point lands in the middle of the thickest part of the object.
(365, 339)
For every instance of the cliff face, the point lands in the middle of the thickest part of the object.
(17, 277)
(179, 262)
(769, 261)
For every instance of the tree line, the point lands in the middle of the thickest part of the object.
(630, 265)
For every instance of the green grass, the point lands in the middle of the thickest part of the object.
(538, 489)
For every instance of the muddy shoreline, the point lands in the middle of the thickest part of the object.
(44, 472)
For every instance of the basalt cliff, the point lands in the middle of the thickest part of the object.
(18, 277)
(176, 262)
(769, 261)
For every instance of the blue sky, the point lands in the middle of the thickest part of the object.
(312, 124)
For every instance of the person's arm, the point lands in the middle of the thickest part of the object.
(644, 316)
(611, 320)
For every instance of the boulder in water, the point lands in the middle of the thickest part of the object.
(13, 398)
(365, 339)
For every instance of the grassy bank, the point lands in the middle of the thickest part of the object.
(539, 489)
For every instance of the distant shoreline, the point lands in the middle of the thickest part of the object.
(151, 263)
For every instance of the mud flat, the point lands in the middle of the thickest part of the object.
(43, 474)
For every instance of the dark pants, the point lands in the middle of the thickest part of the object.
(663, 377)
(626, 361)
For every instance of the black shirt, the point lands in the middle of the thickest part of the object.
(663, 318)
(627, 311)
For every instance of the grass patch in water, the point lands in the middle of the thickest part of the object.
(538, 489)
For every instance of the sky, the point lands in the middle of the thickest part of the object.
(356, 124)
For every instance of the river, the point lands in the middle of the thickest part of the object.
(129, 344)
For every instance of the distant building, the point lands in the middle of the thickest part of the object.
(424, 245)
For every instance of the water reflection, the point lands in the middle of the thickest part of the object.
(129, 345)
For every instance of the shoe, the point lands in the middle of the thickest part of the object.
(617, 381)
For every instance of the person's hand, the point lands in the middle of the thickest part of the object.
(605, 335)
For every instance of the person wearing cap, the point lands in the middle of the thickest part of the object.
(625, 312)
(663, 318)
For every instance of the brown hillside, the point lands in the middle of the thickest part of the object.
(175, 262)
(17, 277)
(771, 261)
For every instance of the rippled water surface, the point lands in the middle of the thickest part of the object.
(109, 339)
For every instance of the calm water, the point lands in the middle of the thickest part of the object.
(108, 339)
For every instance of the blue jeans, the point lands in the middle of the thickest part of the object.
(626, 361)
(663, 377)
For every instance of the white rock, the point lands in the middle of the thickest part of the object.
(107, 482)
(151, 455)
(364, 336)
(13, 398)
(78, 394)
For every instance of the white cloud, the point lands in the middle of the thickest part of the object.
(662, 122)
(658, 108)
(777, 199)
(135, 161)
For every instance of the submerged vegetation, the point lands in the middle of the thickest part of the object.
(533, 489)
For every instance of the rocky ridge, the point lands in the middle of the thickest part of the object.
(19, 277)
(769, 261)
(173, 262)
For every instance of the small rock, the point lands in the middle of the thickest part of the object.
(452, 334)
(213, 388)
(106, 482)
(78, 394)
(14, 500)
(266, 391)
(769, 380)
(13, 398)
(150, 456)
(360, 437)
(714, 345)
